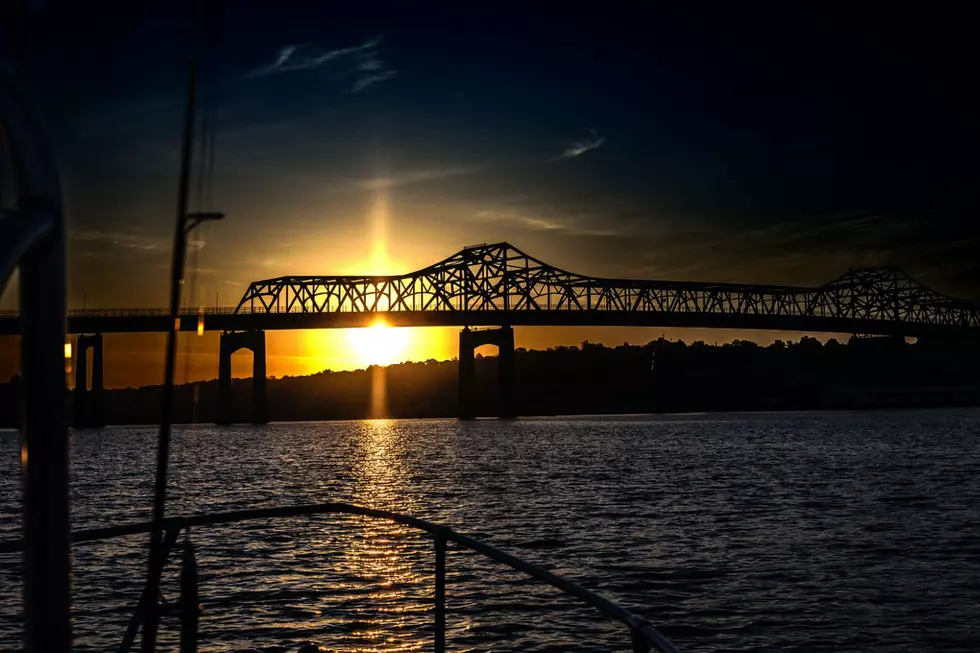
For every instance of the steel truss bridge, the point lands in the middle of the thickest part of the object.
(498, 284)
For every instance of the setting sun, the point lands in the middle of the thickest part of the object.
(379, 344)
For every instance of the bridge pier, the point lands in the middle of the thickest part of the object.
(231, 342)
(503, 339)
(88, 404)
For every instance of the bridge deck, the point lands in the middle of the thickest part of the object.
(226, 319)
(498, 284)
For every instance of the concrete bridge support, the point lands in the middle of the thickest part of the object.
(88, 403)
(232, 341)
(469, 340)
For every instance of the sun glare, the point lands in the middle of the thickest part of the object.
(379, 344)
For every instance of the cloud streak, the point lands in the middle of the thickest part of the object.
(536, 223)
(409, 177)
(578, 148)
(362, 63)
(370, 80)
(131, 241)
(293, 58)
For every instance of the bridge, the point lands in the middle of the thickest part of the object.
(498, 285)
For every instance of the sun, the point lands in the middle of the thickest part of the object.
(379, 344)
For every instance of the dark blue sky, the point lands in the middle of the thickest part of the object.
(778, 144)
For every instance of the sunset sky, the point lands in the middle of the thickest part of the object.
(784, 147)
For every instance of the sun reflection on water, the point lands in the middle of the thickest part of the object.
(380, 562)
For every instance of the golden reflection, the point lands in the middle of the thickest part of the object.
(382, 556)
(379, 393)
(379, 472)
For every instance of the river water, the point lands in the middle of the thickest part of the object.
(783, 532)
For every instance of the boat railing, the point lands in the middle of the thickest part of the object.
(644, 636)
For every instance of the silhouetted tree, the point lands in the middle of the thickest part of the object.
(663, 375)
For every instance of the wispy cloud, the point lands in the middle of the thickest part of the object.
(370, 80)
(578, 148)
(362, 63)
(571, 226)
(130, 241)
(406, 178)
(292, 58)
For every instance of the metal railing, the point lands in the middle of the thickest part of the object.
(970, 320)
(140, 312)
(644, 636)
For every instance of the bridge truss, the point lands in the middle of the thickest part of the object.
(501, 278)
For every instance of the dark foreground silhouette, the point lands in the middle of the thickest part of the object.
(661, 376)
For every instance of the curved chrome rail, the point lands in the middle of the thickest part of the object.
(645, 637)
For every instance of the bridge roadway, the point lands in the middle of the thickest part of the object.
(500, 286)
(148, 320)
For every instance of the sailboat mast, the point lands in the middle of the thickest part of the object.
(152, 615)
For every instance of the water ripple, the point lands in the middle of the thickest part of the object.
(735, 533)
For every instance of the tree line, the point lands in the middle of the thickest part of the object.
(661, 376)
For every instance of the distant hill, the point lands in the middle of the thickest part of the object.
(661, 376)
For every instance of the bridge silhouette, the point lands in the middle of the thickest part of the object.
(498, 285)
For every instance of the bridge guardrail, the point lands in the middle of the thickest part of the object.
(967, 320)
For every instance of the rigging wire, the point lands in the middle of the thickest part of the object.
(204, 23)
(209, 105)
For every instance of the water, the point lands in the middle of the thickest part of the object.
(752, 532)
